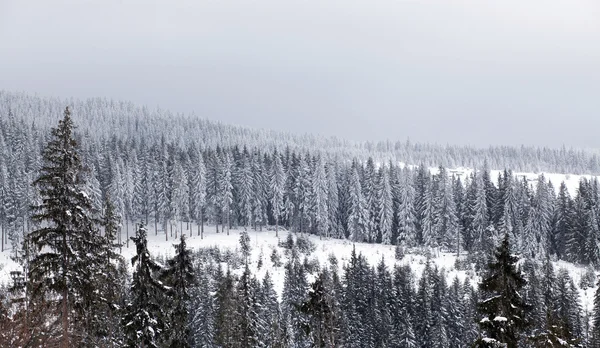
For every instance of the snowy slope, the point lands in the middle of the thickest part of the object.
(266, 241)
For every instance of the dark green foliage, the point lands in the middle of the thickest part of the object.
(68, 255)
(179, 276)
(504, 310)
(318, 308)
(144, 322)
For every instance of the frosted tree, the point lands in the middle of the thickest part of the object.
(180, 276)
(446, 224)
(538, 226)
(562, 221)
(260, 191)
(226, 189)
(421, 181)
(369, 186)
(179, 196)
(4, 197)
(197, 189)
(244, 180)
(302, 193)
(68, 245)
(428, 224)
(478, 228)
(319, 197)
(357, 219)
(277, 189)
(405, 214)
(158, 198)
(503, 309)
(386, 206)
(143, 189)
(144, 319)
(333, 199)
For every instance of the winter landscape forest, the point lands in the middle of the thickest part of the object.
(124, 226)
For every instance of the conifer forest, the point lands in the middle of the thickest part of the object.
(80, 181)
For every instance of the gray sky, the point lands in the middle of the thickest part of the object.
(473, 72)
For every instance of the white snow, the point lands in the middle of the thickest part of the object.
(266, 241)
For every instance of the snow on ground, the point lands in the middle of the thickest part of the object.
(266, 241)
(570, 180)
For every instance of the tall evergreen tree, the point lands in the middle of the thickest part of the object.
(145, 320)
(277, 189)
(504, 310)
(180, 277)
(65, 267)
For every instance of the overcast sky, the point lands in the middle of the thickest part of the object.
(474, 72)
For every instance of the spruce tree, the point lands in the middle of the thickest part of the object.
(504, 310)
(320, 316)
(144, 321)
(65, 268)
(104, 319)
(180, 277)
(277, 188)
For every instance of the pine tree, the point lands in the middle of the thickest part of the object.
(595, 334)
(294, 293)
(245, 245)
(319, 198)
(65, 267)
(260, 191)
(405, 214)
(144, 322)
(227, 328)
(318, 309)
(537, 230)
(248, 311)
(357, 219)
(333, 203)
(104, 318)
(277, 185)
(429, 211)
(180, 277)
(202, 310)
(244, 179)
(197, 183)
(369, 187)
(385, 206)
(504, 311)
(269, 314)
(562, 224)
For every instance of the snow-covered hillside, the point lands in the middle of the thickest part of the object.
(263, 243)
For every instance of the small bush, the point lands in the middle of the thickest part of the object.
(588, 279)
(276, 258)
(305, 245)
(400, 252)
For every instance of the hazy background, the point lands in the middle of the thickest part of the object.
(449, 71)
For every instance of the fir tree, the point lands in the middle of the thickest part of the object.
(385, 207)
(318, 309)
(144, 321)
(65, 268)
(504, 311)
(277, 185)
(180, 277)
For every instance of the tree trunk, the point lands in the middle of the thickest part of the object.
(156, 225)
(65, 298)
(202, 223)
(227, 222)
(2, 229)
(276, 227)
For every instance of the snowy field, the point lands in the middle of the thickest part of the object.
(263, 242)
